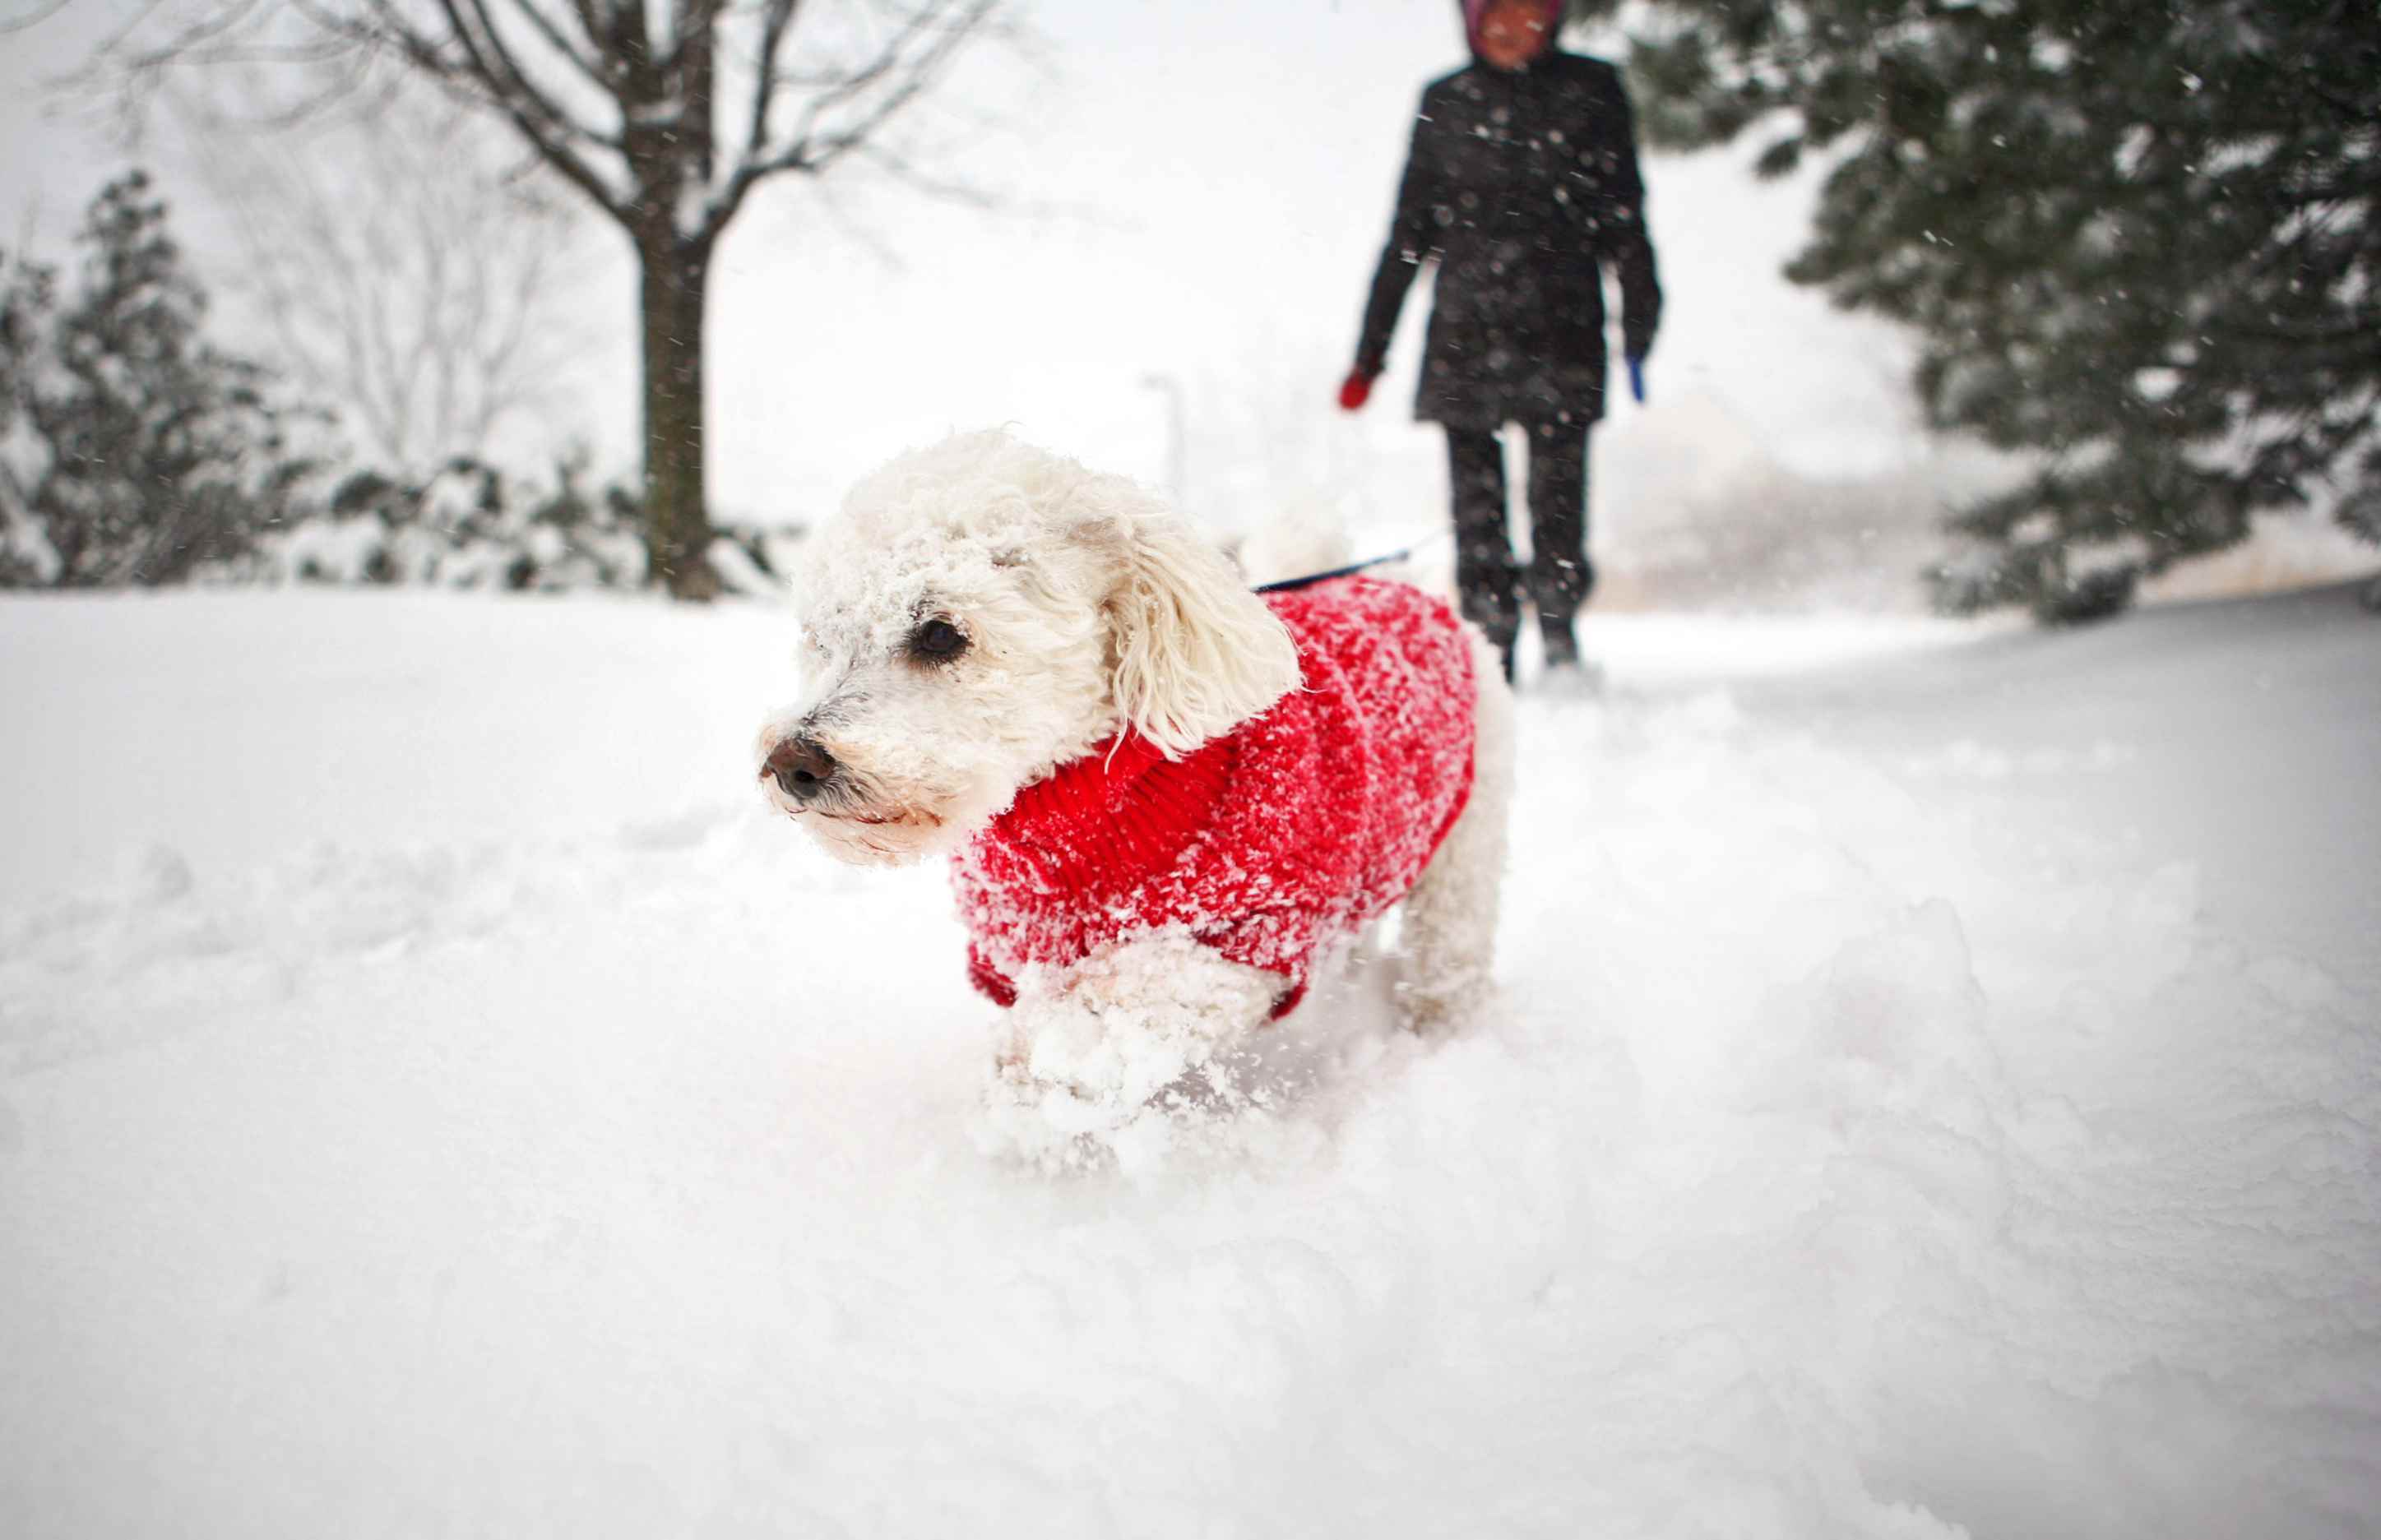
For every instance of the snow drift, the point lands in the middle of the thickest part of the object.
(434, 1097)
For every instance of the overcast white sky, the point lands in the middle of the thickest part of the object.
(1221, 175)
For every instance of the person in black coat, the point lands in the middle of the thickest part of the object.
(1522, 184)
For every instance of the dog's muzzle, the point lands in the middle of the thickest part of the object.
(801, 769)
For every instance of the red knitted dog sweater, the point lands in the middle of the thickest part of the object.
(1291, 832)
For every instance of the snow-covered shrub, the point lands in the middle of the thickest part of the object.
(470, 524)
(467, 525)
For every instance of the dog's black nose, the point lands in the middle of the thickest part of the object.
(801, 767)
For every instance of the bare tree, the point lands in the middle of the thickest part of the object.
(666, 114)
(428, 313)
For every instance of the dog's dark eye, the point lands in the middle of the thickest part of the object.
(937, 641)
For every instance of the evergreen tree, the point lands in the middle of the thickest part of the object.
(2139, 238)
(27, 296)
(138, 452)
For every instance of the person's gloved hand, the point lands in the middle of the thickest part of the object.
(1637, 377)
(1355, 390)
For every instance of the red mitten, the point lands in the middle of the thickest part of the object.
(1356, 391)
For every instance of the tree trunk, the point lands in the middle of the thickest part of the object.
(675, 274)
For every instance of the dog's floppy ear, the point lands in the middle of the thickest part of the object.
(1196, 653)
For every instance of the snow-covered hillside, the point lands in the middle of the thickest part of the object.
(1939, 1092)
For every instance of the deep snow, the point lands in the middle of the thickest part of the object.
(1937, 1091)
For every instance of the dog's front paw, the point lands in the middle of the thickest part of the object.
(1107, 1056)
(1110, 1055)
(1060, 1125)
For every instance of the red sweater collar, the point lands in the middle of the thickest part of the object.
(1120, 813)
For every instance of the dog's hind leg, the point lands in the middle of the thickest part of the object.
(1449, 936)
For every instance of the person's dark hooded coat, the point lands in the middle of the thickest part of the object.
(1521, 186)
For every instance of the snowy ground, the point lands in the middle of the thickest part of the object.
(1939, 1093)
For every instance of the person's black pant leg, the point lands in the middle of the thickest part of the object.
(1484, 548)
(1562, 576)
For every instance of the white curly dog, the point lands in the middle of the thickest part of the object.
(1044, 673)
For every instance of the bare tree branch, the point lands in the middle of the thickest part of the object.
(900, 168)
(588, 65)
(33, 17)
(487, 81)
(426, 314)
(775, 22)
(947, 28)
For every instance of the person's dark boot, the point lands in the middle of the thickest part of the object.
(1567, 677)
(1561, 643)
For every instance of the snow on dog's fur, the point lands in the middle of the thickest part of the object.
(1086, 605)
(984, 613)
